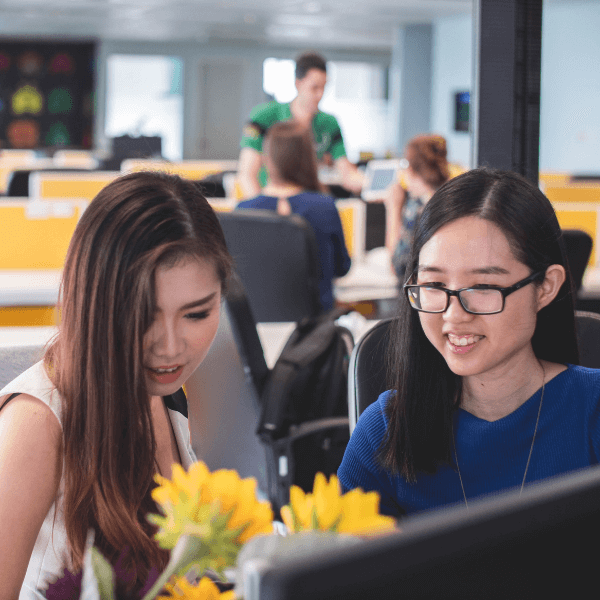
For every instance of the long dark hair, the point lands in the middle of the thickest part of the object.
(426, 391)
(135, 224)
(291, 148)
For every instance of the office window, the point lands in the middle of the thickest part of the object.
(145, 97)
(356, 94)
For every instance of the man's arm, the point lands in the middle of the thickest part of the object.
(248, 168)
(352, 178)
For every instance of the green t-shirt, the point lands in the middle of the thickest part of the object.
(326, 131)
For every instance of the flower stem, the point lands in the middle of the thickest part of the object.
(188, 550)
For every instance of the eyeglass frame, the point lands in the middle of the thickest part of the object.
(505, 291)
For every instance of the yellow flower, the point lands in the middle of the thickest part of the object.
(205, 590)
(356, 512)
(215, 506)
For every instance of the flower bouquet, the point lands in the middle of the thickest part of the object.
(213, 522)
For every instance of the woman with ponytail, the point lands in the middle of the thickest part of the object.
(426, 171)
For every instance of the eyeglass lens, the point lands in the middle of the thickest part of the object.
(435, 299)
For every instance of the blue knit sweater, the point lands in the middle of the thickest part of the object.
(491, 455)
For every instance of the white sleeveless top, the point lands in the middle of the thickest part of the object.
(50, 551)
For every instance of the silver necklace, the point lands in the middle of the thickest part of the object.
(462, 487)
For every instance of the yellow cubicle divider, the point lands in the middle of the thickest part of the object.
(579, 192)
(28, 316)
(353, 214)
(547, 179)
(69, 185)
(34, 237)
(190, 169)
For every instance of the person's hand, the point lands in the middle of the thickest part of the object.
(393, 199)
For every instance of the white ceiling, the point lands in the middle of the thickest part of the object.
(334, 23)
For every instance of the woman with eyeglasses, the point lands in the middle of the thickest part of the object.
(485, 392)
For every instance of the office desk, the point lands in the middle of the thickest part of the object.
(370, 287)
(28, 297)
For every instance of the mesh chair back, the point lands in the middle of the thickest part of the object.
(276, 258)
(578, 245)
(588, 338)
(367, 373)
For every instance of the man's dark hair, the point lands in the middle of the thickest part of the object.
(307, 61)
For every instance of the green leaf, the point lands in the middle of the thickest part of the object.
(314, 521)
(104, 575)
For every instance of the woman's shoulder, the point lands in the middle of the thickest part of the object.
(36, 383)
(373, 417)
(577, 374)
(577, 382)
(256, 202)
(315, 197)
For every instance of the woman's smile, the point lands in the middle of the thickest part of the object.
(461, 344)
(471, 253)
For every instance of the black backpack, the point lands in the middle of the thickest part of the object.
(304, 422)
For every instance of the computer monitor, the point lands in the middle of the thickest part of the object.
(542, 544)
(379, 174)
(224, 407)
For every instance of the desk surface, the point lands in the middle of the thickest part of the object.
(371, 278)
(29, 288)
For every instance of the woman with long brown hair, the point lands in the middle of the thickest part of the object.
(83, 432)
(294, 187)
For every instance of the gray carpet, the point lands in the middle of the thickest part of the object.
(13, 361)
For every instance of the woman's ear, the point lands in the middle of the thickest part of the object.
(547, 291)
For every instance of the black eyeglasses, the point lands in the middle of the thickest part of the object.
(481, 300)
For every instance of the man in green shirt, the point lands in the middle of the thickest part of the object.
(311, 77)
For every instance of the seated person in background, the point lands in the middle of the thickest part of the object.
(427, 170)
(486, 394)
(84, 431)
(311, 77)
(294, 188)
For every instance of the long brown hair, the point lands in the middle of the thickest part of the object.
(291, 148)
(135, 224)
(427, 157)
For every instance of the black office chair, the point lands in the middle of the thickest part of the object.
(367, 375)
(367, 372)
(578, 245)
(243, 326)
(277, 260)
(588, 338)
